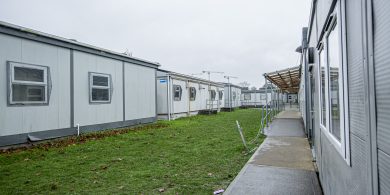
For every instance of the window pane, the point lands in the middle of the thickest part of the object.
(177, 92)
(322, 91)
(192, 93)
(100, 94)
(334, 77)
(247, 96)
(220, 95)
(213, 94)
(24, 93)
(28, 74)
(100, 81)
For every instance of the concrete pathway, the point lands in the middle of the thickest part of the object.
(282, 164)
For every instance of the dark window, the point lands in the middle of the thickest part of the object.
(220, 95)
(247, 96)
(212, 94)
(28, 74)
(192, 93)
(177, 92)
(27, 93)
(100, 94)
(100, 81)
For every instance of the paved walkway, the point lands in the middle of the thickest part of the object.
(282, 164)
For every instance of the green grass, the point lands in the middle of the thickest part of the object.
(194, 155)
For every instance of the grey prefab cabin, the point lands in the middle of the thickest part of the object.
(180, 95)
(53, 87)
(255, 98)
(346, 95)
(232, 96)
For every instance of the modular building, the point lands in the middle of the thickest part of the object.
(345, 94)
(180, 95)
(53, 87)
(255, 98)
(232, 96)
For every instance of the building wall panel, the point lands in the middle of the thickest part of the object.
(140, 94)
(384, 172)
(337, 176)
(382, 72)
(162, 95)
(382, 89)
(357, 112)
(87, 113)
(27, 119)
(182, 105)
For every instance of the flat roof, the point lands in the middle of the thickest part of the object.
(287, 79)
(233, 85)
(191, 77)
(22, 32)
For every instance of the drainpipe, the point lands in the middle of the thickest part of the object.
(78, 130)
(189, 97)
(169, 96)
(266, 99)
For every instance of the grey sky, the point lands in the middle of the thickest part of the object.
(241, 38)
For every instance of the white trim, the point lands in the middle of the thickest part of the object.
(91, 87)
(28, 83)
(342, 145)
(344, 63)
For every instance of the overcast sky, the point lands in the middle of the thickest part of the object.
(241, 38)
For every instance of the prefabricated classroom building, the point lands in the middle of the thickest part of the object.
(346, 91)
(51, 85)
(255, 98)
(180, 95)
(232, 96)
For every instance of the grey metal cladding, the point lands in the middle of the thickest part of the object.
(337, 176)
(14, 30)
(357, 112)
(357, 180)
(384, 173)
(382, 72)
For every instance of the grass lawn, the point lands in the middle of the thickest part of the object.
(194, 155)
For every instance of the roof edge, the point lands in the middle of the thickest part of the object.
(26, 33)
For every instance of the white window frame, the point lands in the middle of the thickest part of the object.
(12, 81)
(342, 145)
(91, 87)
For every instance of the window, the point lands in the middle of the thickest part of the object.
(334, 78)
(323, 88)
(234, 95)
(220, 95)
(177, 92)
(28, 84)
(332, 84)
(192, 93)
(100, 88)
(212, 94)
(247, 96)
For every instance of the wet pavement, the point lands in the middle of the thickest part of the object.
(282, 164)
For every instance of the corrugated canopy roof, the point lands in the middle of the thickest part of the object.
(287, 80)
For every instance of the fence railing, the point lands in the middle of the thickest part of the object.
(268, 113)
